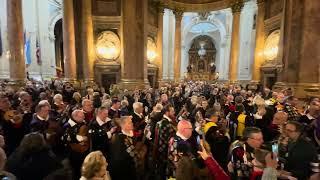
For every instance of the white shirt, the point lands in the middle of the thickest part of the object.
(100, 122)
(42, 119)
(310, 117)
(140, 115)
(71, 122)
(181, 136)
(167, 118)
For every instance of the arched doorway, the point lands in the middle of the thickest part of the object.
(202, 59)
(58, 43)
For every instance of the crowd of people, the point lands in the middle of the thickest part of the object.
(187, 130)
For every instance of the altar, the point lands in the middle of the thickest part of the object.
(202, 54)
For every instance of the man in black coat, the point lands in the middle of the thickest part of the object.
(101, 130)
(138, 120)
(124, 156)
(75, 140)
(114, 111)
(300, 152)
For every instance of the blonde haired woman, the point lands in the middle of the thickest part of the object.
(94, 167)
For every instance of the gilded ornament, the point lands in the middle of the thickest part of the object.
(237, 6)
(108, 46)
(271, 46)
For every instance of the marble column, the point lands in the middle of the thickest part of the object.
(134, 14)
(160, 42)
(258, 53)
(236, 8)
(177, 44)
(15, 42)
(87, 42)
(69, 42)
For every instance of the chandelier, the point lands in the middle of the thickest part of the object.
(202, 51)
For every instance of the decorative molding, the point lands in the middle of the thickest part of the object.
(152, 30)
(57, 3)
(108, 40)
(272, 23)
(199, 7)
(236, 6)
(161, 6)
(106, 22)
(54, 18)
(178, 13)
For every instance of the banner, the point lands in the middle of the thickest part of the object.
(27, 49)
(38, 52)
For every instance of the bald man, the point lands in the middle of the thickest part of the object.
(181, 143)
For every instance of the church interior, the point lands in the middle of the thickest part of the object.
(159, 89)
(148, 42)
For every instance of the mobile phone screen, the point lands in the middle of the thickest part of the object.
(275, 149)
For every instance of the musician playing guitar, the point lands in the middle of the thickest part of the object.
(75, 139)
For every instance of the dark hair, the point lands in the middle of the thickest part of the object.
(32, 143)
(248, 131)
(167, 108)
(62, 173)
(115, 101)
(238, 99)
(299, 126)
(240, 108)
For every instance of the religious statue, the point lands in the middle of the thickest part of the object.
(201, 65)
(212, 68)
(189, 68)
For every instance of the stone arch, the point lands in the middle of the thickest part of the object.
(58, 44)
(219, 43)
(57, 15)
(54, 19)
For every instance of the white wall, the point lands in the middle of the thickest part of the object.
(4, 63)
(37, 16)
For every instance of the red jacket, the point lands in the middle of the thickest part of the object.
(215, 170)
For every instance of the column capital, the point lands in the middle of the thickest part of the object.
(178, 12)
(161, 6)
(236, 6)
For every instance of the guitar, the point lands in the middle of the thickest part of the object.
(84, 144)
(13, 116)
